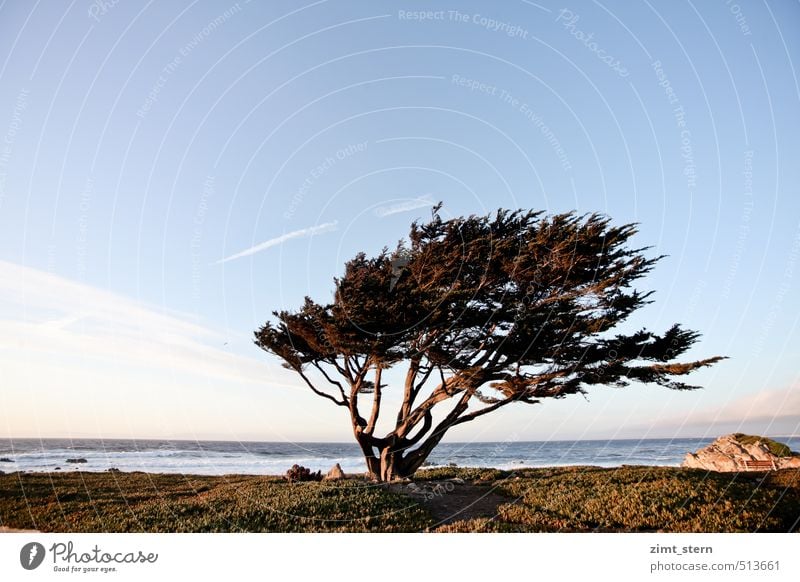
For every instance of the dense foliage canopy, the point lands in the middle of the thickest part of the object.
(484, 311)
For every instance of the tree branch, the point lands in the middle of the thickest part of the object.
(331, 380)
(319, 392)
(438, 395)
(376, 401)
(415, 390)
(358, 420)
(488, 409)
(426, 426)
(418, 455)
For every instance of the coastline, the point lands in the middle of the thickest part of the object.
(554, 499)
(274, 458)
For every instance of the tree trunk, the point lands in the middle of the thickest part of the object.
(397, 462)
(391, 464)
(388, 465)
(389, 458)
(384, 461)
(373, 462)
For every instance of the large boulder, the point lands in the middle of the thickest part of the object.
(335, 474)
(729, 453)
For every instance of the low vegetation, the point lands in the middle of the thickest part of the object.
(141, 502)
(569, 499)
(641, 499)
(776, 448)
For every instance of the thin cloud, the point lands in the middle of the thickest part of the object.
(774, 411)
(102, 364)
(303, 232)
(48, 320)
(761, 408)
(389, 209)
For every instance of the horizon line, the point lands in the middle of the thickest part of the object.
(177, 439)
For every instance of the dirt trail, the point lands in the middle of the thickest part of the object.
(453, 500)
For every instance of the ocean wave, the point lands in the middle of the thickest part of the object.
(272, 458)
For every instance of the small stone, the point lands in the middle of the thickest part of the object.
(335, 474)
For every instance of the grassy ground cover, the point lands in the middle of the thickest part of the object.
(532, 500)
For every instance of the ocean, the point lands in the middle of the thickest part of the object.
(274, 458)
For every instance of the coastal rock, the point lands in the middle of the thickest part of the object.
(335, 474)
(732, 452)
(6, 460)
(300, 473)
(79, 460)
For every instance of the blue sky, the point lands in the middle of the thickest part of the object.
(170, 173)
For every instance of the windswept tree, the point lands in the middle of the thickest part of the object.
(481, 312)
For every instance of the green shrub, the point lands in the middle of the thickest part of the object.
(466, 473)
(642, 499)
(776, 448)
